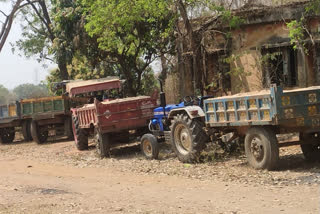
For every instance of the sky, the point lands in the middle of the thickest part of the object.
(14, 69)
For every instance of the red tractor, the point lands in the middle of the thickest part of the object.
(110, 119)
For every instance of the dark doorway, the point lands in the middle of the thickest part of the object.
(280, 66)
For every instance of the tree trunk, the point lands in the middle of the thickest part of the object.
(192, 42)
(63, 71)
(164, 66)
(131, 90)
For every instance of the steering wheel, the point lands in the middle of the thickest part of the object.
(188, 100)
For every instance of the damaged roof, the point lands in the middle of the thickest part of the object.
(253, 13)
(85, 86)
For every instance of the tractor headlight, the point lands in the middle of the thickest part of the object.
(154, 121)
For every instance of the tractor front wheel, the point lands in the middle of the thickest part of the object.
(149, 146)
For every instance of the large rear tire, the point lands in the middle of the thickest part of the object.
(26, 130)
(80, 135)
(310, 146)
(261, 148)
(149, 146)
(188, 138)
(102, 144)
(7, 135)
(68, 130)
(39, 134)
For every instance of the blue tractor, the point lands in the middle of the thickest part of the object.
(180, 124)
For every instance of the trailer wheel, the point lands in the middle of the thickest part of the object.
(68, 128)
(188, 138)
(80, 135)
(26, 130)
(7, 135)
(311, 148)
(39, 134)
(102, 144)
(149, 146)
(261, 147)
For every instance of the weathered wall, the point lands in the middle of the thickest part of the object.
(247, 56)
(246, 74)
(246, 69)
(264, 29)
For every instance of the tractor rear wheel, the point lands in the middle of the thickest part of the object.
(26, 130)
(102, 144)
(80, 135)
(7, 135)
(149, 146)
(188, 138)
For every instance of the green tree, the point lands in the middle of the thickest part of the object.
(86, 61)
(132, 33)
(55, 31)
(298, 29)
(28, 91)
(4, 94)
(6, 19)
(39, 37)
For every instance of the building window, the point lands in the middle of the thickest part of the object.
(280, 66)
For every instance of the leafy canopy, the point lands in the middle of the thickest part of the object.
(129, 25)
(26, 91)
(131, 33)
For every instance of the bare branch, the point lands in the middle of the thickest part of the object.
(7, 26)
(46, 21)
(3, 13)
(26, 4)
(33, 27)
(4, 28)
(309, 34)
(47, 58)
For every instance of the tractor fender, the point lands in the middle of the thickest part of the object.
(191, 111)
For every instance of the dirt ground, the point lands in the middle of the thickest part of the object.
(56, 178)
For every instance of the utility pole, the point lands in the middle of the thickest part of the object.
(36, 76)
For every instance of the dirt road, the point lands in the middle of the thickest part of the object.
(56, 178)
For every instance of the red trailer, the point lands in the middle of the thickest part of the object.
(112, 121)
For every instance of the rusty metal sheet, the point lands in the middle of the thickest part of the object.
(85, 86)
(116, 115)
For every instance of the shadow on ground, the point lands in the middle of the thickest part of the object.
(296, 162)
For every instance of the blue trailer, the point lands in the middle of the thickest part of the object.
(291, 110)
(10, 117)
(256, 117)
(259, 116)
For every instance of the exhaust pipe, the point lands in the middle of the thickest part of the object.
(162, 97)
